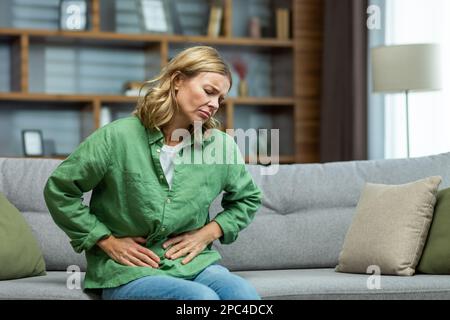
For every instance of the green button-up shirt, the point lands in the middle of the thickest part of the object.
(131, 198)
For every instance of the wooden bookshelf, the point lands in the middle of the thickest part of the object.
(19, 96)
(304, 47)
(267, 160)
(132, 39)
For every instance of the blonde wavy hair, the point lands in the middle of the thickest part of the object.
(159, 105)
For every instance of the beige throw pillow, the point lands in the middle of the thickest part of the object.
(390, 227)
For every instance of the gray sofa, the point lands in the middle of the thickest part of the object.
(288, 252)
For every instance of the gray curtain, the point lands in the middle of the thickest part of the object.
(343, 127)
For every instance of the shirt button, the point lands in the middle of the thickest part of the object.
(168, 200)
(158, 150)
(163, 229)
(161, 177)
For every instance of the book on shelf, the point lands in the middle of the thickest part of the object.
(215, 19)
(282, 22)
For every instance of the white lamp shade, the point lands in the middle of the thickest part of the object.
(415, 67)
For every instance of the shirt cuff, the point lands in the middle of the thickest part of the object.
(99, 231)
(228, 230)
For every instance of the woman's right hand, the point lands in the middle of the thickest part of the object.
(129, 251)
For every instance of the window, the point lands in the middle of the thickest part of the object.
(419, 21)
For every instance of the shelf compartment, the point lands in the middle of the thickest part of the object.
(13, 63)
(189, 17)
(117, 109)
(6, 63)
(64, 126)
(42, 14)
(269, 71)
(266, 117)
(263, 10)
(58, 68)
(111, 111)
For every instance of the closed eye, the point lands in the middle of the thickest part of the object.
(212, 92)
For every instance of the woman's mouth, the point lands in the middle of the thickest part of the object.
(204, 114)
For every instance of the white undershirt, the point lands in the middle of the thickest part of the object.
(168, 153)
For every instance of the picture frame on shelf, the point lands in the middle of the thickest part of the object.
(33, 143)
(73, 15)
(155, 16)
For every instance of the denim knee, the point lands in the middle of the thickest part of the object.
(204, 293)
(160, 288)
(227, 285)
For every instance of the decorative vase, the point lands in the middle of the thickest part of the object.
(255, 27)
(105, 116)
(243, 88)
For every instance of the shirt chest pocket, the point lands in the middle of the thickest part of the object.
(204, 191)
(137, 194)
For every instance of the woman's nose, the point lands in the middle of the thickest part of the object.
(214, 104)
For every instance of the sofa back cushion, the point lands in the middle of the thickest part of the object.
(22, 181)
(305, 214)
(55, 244)
(308, 208)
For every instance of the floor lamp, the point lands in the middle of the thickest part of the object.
(406, 68)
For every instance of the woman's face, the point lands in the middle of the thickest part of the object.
(199, 97)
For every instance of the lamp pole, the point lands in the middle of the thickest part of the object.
(407, 124)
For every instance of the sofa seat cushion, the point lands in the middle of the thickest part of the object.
(49, 287)
(328, 284)
(270, 284)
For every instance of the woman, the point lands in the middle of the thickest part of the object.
(146, 233)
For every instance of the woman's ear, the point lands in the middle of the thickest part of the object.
(177, 80)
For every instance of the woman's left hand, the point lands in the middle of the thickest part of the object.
(192, 243)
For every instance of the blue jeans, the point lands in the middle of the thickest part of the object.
(213, 283)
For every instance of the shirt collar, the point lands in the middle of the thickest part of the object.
(155, 135)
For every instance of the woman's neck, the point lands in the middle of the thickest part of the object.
(170, 128)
